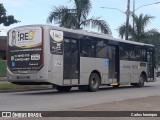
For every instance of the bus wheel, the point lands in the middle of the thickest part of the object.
(141, 81)
(63, 88)
(94, 82)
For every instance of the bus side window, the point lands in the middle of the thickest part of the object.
(137, 53)
(85, 45)
(143, 55)
(101, 49)
(124, 52)
(87, 48)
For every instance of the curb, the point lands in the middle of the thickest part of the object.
(23, 90)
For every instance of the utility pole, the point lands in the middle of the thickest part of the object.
(127, 19)
(128, 13)
(133, 12)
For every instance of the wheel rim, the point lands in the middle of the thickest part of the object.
(94, 82)
(141, 81)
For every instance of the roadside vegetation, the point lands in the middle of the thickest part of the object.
(3, 68)
(77, 17)
(140, 33)
(5, 19)
(9, 86)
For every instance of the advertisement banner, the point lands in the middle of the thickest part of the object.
(25, 49)
(56, 42)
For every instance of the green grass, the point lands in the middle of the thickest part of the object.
(3, 68)
(10, 86)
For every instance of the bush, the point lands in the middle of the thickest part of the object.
(3, 68)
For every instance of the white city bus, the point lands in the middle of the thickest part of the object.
(65, 58)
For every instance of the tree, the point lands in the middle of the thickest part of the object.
(154, 38)
(6, 20)
(138, 32)
(76, 18)
(122, 30)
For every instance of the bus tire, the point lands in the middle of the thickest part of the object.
(63, 88)
(94, 82)
(141, 81)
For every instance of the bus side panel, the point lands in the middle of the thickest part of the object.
(87, 65)
(55, 62)
(56, 69)
(125, 71)
(130, 71)
(136, 69)
(102, 67)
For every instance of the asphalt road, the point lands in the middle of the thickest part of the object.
(51, 100)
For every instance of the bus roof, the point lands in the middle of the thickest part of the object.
(89, 33)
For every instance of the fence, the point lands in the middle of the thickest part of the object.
(3, 68)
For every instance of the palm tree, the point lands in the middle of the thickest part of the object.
(154, 38)
(122, 30)
(138, 32)
(76, 18)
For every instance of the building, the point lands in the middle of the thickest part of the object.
(3, 44)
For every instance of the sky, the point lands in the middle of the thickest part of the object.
(36, 12)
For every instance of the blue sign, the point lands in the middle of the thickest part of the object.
(13, 64)
(106, 62)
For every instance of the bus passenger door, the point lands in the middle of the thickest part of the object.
(114, 65)
(71, 61)
(150, 66)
